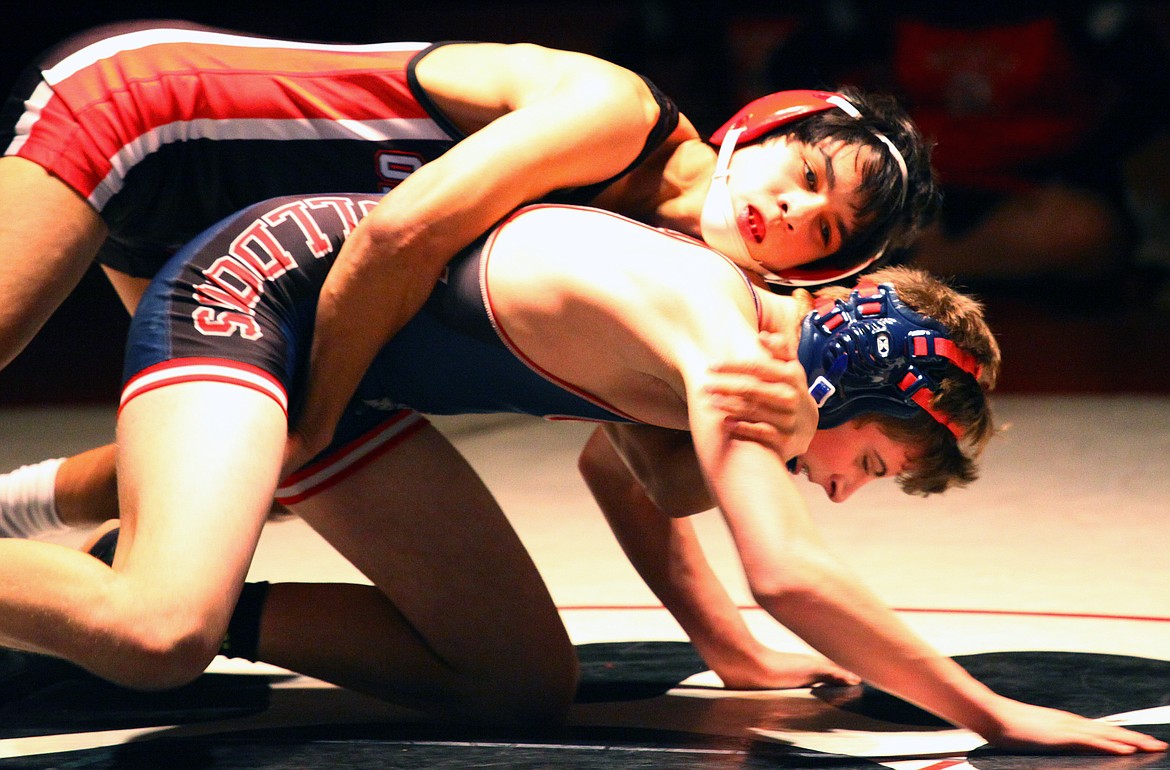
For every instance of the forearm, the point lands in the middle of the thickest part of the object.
(839, 617)
(367, 298)
(794, 576)
(386, 269)
(382, 276)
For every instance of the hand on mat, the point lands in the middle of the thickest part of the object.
(767, 400)
(773, 670)
(1033, 728)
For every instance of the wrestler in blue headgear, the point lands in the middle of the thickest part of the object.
(873, 353)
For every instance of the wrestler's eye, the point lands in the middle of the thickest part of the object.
(810, 176)
(872, 465)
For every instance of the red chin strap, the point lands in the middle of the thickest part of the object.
(814, 274)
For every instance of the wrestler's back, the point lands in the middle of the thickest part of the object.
(614, 307)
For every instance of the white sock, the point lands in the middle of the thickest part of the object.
(28, 501)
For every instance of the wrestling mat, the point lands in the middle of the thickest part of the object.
(1048, 579)
(643, 704)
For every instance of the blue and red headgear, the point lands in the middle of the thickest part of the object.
(757, 119)
(872, 353)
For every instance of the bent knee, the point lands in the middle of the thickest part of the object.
(162, 655)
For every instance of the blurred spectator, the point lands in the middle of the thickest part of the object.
(1041, 113)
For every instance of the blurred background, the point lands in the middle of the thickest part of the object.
(1050, 119)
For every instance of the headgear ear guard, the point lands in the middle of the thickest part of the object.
(756, 119)
(764, 115)
(870, 353)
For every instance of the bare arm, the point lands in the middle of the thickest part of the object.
(666, 552)
(766, 400)
(48, 240)
(799, 582)
(660, 461)
(538, 120)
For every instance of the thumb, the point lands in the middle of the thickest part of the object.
(781, 346)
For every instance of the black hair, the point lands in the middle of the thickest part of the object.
(888, 221)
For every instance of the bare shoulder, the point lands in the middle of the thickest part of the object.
(685, 292)
(617, 244)
(671, 277)
(527, 62)
(502, 77)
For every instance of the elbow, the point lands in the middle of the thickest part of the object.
(784, 592)
(793, 580)
(679, 504)
(408, 242)
(596, 470)
(630, 107)
(386, 229)
(675, 500)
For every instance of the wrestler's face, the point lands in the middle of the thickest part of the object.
(846, 458)
(794, 202)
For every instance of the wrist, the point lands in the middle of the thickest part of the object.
(731, 655)
(972, 705)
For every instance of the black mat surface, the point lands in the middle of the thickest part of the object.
(1094, 685)
(1089, 684)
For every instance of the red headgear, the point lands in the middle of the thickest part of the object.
(766, 114)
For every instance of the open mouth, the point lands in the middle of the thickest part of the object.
(754, 224)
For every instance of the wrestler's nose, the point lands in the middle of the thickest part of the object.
(797, 207)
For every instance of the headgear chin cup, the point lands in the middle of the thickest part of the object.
(717, 221)
(756, 119)
(872, 353)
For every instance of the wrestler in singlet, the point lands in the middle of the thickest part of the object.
(238, 305)
(167, 127)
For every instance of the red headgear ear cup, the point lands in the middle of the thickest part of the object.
(769, 112)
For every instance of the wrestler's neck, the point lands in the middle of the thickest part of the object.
(668, 189)
(783, 313)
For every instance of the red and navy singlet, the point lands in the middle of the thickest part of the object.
(238, 304)
(167, 127)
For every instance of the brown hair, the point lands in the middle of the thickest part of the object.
(940, 460)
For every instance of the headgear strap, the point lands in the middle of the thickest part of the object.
(848, 108)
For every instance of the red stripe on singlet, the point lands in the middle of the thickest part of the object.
(173, 83)
(181, 81)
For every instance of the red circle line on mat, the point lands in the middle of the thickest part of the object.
(918, 610)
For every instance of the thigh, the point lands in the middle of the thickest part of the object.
(422, 526)
(197, 465)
